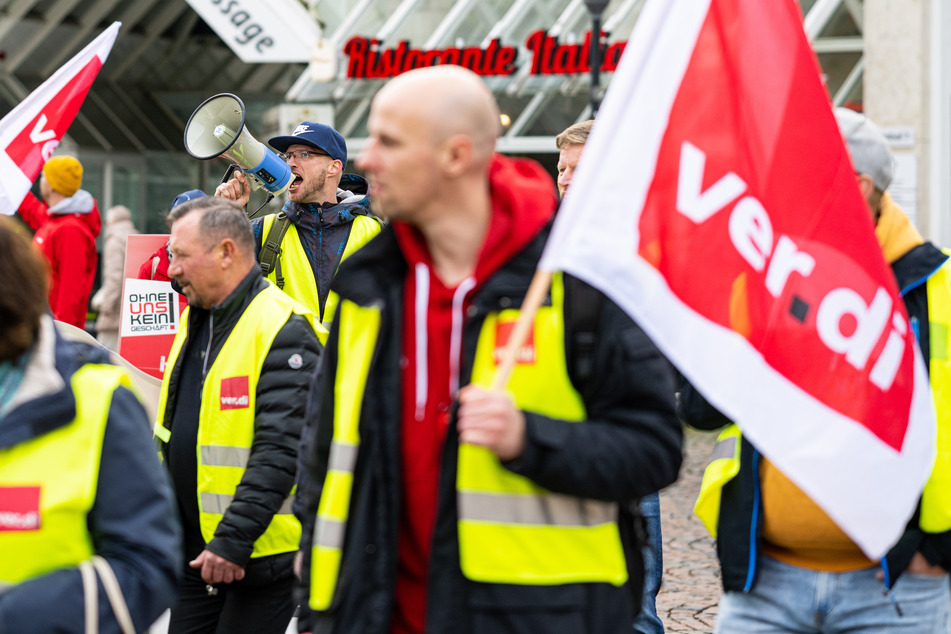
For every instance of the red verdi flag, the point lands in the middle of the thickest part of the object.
(716, 203)
(31, 131)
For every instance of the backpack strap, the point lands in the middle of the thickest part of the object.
(583, 305)
(269, 257)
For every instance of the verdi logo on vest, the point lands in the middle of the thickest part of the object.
(19, 509)
(235, 393)
(526, 352)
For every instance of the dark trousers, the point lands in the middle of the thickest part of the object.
(260, 603)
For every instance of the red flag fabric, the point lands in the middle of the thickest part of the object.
(30, 133)
(716, 202)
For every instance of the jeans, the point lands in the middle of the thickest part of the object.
(792, 599)
(647, 621)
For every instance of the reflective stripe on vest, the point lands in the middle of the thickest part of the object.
(358, 330)
(54, 477)
(936, 496)
(299, 281)
(510, 529)
(219, 503)
(226, 419)
(723, 466)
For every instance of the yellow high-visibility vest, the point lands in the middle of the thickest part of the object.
(358, 330)
(510, 529)
(936, 497)
(52, 480)
(298, 273)
(723, 466)
(226, 418)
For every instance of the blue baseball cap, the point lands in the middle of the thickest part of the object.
(184, 197)
(316, 135)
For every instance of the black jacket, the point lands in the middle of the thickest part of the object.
(279, 413)
(737, 501)
(631, 446)
(324, 229)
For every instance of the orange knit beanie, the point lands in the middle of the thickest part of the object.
(64, 174)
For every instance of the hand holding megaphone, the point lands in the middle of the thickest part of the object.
(217, 128)
(237, 188)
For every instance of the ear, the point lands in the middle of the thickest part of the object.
(334, 168)
(228, 250)
(866, 185)
(456, 154)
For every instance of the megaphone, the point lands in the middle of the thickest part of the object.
(216, 128)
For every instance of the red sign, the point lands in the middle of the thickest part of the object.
(235, 393)
(549, 57)
(19, 509)
(148, 324)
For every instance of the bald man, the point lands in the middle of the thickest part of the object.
(444, 506)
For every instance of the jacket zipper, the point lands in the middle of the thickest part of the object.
(754, 521)
(455, 338)
(211, 333)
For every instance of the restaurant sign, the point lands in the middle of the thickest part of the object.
(369, 60)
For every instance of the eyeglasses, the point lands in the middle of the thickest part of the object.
(302, 155)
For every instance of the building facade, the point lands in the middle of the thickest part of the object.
(886, 57)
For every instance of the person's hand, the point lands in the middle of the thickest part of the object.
(237, 189)
(918, 566)
(489, 418)
(216, 569)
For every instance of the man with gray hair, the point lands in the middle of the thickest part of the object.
(235, 386)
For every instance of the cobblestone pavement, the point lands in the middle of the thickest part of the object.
(687, 602)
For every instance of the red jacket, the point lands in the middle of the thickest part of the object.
(66, 235)
(156, 270)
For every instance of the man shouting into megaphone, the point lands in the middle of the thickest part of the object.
(326, 219)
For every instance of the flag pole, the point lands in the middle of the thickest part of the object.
(595, 8)
(537, 290)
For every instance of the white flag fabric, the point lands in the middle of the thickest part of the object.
(715, 202)
(31, 131)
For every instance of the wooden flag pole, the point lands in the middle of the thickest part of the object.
(537, 290)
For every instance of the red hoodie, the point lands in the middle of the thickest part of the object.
(523, 201)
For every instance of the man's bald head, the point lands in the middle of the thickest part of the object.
(451, 100)
(431, 138)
